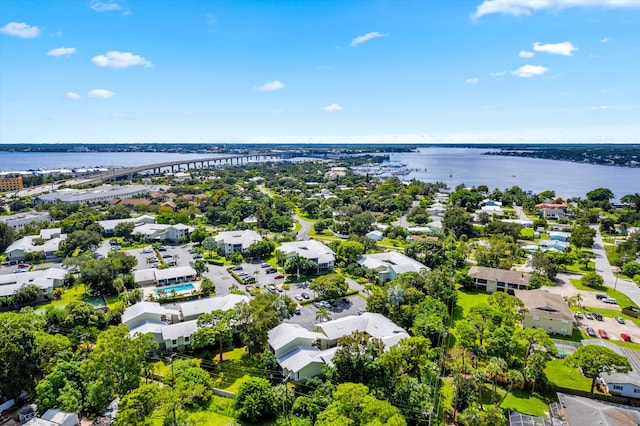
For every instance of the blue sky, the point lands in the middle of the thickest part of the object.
(320, 71)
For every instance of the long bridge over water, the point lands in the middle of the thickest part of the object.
(180, 165)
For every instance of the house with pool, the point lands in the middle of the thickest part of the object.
(165, 277)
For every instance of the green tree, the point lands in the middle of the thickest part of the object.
(535, 337)
(330, 286)
(430, 253)
(193, 387)
(124, 229)
(79, 240)
(594, 360)
(215, 327)
(430, 320)
(115, 366)
(261, 249)
(136, 407)
(210, 244)
(349, 251)
(354, 405)
(297, 264)
(200, 267)
(458, 221)
(323, 314)
(262, 313)
(19, 353)
(7, 236)
(355, 360)
(255, 401)
(198, 235)
(582, 236)
(633, 200)
(592, 280)
(600, 194)
(26, 294)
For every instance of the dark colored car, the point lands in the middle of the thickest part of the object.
(305, 296)
(598, 316)
(591, 332)
(601, 296)
(278, 277)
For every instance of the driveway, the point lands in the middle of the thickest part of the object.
(307, 317)
(303, 233)
(604, 268)
(612, 328)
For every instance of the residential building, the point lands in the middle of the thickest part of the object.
(46, 244)
(302, 353)
(19, 220)
(149, 317)
(375, 235)
(230, 242)
(109, 226)
(493, 279)
(178, 336)
(546, 311)
(559, 235)
(391, 264)
(92, 195)
(193, 309)
(161, 277)
(163, 233)
(45, 279)
(55, 417)
(313, 250)
(622, 384)
(525, 223)
(556, 245)
(11, 183)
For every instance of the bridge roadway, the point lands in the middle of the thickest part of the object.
(227, 160)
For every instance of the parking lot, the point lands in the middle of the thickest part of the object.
(307, 317)
(612, 328)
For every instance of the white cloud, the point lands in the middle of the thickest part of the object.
(525, 54)
(530, 70)
(600, 107)
(565, 49)
(108, 6)
(72, 95)
(20, 29)
(61, 51)
(473, 81)
(270, 87)
(100, 93)
(361, 39)
(526, 7)
(332, 108)
(606, 40)
(115, 59)
(497, 74)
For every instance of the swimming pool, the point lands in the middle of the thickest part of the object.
(177, 287)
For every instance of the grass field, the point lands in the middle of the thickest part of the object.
(567, 377)
(467, 299)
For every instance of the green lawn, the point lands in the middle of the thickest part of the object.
(523, 401)
(467, 299)
(527, 233)
(567, 377)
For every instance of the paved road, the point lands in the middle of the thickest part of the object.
(604, 268)
(403, 219)
(303, 233)
(519, 212)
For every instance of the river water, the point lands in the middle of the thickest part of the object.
(455, 166)
(452, 166)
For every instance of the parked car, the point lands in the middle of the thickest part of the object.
(147, 249)
(610, 300)
(237, 268)
(579, 315)
(603, 334)
(162, 249)
(598, 316)
(601, 296)
(251, 289)
(625, 337)
(591, 332)
(588, 315)
(620, 320)
(298, 298)
(297, 309)
(270, 270)
(278, 277)
(305, 296)
(271, 288)
(264, 265)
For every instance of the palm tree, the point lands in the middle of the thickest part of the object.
(323, 314)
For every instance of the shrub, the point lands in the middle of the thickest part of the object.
(592, 279)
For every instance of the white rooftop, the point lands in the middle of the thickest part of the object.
(142, 308)
(376, 325)
(245, 237)
(286, 332)
(398, 262)
(209, 304)
(180, 329)
(310, 249)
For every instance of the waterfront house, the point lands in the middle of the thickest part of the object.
(546, 311)
(391, 264)
(230, 242)
(493, 279)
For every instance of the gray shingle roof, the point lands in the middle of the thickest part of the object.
(500, 275)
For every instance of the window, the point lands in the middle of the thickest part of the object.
(618, 387)
(636, 390)
(536, 318)
(565, 321)
(186, 339)
(481, 281)
(174, 342)
(500, 284)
